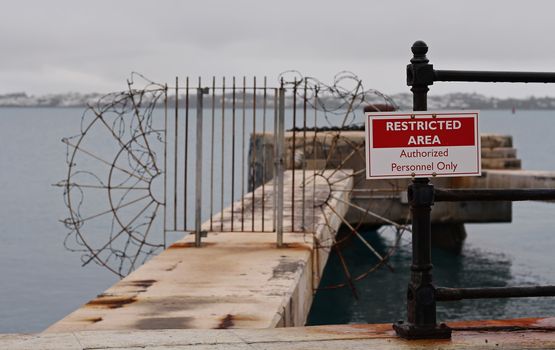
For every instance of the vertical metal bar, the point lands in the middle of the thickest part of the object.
(264, 105)
(186, 157)
(176, 141)
(223, 157)
(274, 168)
(279, 165)
(212, 154)
(234, 101)
(253, 147)
(421, 199)
(304, 160)
(314, 158)
(243, 159)
(165, 160)
(293, 155)
(198, 172)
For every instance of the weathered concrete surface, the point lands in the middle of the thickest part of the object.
(498, 152)
(530, 333)
(236, 280)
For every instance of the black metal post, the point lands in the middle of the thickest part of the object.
(421, 303)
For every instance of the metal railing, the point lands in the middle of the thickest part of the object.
(422, 295)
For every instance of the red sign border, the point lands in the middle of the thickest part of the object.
(417, 114)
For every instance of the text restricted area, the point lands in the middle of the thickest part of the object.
(422, 144)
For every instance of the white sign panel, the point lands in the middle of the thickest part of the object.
(422, 144)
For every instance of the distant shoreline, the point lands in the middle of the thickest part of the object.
(82, 108)
(402, 100)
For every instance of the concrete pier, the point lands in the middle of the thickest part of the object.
(235, 280)
(388, 197)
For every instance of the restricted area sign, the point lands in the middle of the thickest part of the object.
(422, 144)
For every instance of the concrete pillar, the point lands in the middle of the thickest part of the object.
(449, 236)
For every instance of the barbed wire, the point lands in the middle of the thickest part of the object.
(342, 103)
(124, 119)
(345, 93)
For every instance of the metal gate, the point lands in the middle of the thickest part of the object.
(247, 133)
(212, 160)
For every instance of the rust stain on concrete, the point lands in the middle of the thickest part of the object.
(355, 330)
(513, 325)
(141, 283)
(111, 301)
(93, 319)
(180, 245)
(226, 322)
(296, 246)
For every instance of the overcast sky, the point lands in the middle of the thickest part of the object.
(68, 45)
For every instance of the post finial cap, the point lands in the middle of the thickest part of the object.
(419, 48)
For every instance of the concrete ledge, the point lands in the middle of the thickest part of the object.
(529, 333)
(510, 179)
(501, 163)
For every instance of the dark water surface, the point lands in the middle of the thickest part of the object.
(494, 255)
(42, 282)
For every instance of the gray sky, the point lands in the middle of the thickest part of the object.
(69, 45)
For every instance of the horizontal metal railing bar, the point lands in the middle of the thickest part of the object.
(494, 76)
(454, 294)
(448, 195)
